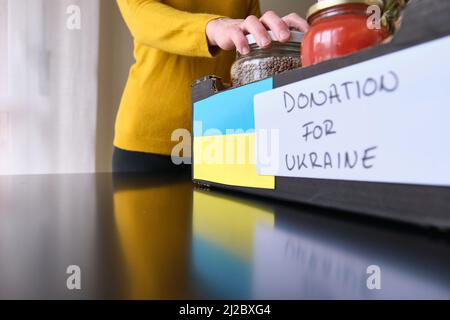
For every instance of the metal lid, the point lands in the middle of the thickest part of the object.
(324, 4)
(296, 37)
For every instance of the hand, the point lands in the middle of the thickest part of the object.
(229, 34)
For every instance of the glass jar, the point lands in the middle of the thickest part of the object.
(261, 63)
(339, 28)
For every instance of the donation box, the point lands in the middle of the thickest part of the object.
(368, 133)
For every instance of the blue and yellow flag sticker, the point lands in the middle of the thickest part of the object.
(224, 138)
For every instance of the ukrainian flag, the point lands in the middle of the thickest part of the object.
(224, 138)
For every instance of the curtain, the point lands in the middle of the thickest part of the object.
(48, 95)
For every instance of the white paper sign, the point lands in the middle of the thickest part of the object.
(383, 120)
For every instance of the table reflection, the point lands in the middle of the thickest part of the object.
(259, 249)
(154, 228)
(138, 237)
(223, 243)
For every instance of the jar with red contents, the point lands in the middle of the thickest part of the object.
(339, 28)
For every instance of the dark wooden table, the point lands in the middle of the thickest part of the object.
(159, 237)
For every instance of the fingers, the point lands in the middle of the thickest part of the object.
(294, 21)
(256, 28)
(229, 34)
(239, 40)
(279, 27)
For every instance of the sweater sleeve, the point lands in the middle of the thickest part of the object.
(255, 8)
(163, 27)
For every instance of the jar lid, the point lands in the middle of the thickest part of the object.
(296, 37)
(324, 4)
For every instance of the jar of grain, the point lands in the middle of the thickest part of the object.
(261, 63)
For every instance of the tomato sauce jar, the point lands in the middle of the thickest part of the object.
(339, 28)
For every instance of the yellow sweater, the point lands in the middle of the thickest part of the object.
(171, 52)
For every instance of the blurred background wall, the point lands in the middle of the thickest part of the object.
(116, 56)
(48, 86)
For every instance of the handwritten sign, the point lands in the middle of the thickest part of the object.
(383, 120)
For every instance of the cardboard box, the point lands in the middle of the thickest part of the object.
(224, 137)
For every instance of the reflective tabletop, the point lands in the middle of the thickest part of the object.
(103, 236)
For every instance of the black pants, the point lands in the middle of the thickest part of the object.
(139, 162)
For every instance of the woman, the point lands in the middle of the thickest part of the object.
(176, 42)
